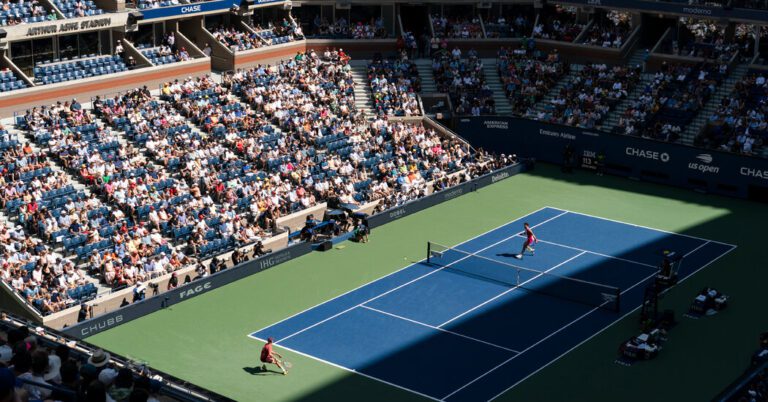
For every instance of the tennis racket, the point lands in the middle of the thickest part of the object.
(286, 364)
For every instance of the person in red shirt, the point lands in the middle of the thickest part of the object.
(530, 238)
(270, 356)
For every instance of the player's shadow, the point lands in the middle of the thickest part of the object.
(257, 370)
(508, 255)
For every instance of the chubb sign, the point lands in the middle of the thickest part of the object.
(101, 325)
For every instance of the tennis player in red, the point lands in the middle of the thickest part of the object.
(530, 239)
(270, 356)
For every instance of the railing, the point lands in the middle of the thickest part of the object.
(173, 387)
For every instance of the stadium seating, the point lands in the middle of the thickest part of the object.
(160, 55)
(25, 12)
(78, 8)
(9, 81)
(394, 84)
(78, 68)
(464, 80)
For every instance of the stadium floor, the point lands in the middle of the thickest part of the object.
(203, 340)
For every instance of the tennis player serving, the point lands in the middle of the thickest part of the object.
(270, 356)
(530, 239)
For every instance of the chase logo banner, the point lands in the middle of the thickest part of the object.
(187, 9)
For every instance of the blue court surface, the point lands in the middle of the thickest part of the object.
(459, 329)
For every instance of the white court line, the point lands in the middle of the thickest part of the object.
(509, 290)
(645, 227)
(414, 280)
(401, 269)
(596, 253)
(696, 249)
(610, 325)
(543, 339)
(440, 329)
(350, 370)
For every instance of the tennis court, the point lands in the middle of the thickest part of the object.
(471, 322)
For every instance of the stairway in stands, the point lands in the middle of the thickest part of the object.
(555, 90)
(724, 90)
(424, 66)
(363, 94)
(503, 107)
(612, 120)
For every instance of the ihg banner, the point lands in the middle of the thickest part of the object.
(675, 164)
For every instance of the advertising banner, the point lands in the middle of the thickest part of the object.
(186, 9)
(681, 8)
(442, 196)
(680, 165)
(195, 288)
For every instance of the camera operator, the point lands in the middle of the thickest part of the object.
(139, 292)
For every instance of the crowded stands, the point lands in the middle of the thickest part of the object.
(707, 39)
(205, 168)
(341, 28)
(612, 30)
(457, 28)
(78, 8)
(394, 83)
(680, 92)
(24, 12)
(590, 93)
(560, 24)
(739, 124)
(512, 26)
(237, 40)
(463, 79)
(528, 74)
(38, 364)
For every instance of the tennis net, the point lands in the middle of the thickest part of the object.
(485, 268)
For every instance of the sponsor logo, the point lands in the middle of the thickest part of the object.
(397, 213)
(273, 260)
(453, 193)
(760, 174)
(497, 124)
(558, 134)
(192, 291)
(706, 158)
(696, 10)
(652, 155)
(705, 166)
(499, 176)
(191, 9)
(101, 325)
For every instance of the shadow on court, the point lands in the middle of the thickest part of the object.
(421, 366)
(257, 370)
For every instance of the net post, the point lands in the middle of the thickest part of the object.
(429, 252)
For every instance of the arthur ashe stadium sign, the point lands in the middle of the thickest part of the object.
(66, 26)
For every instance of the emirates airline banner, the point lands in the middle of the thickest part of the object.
(680, 165)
